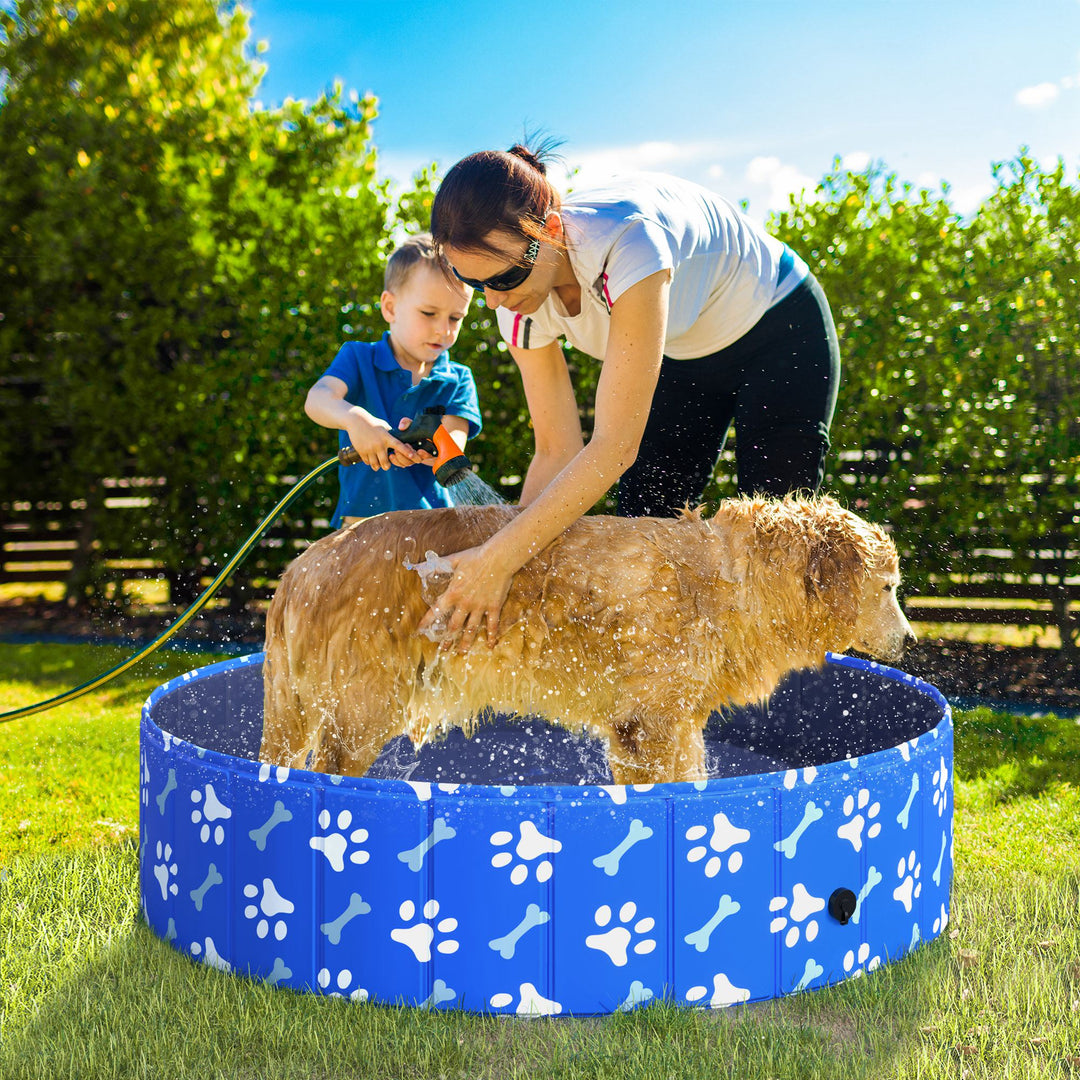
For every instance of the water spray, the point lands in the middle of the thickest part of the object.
(426, 433)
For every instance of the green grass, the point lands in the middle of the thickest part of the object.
(89, 992)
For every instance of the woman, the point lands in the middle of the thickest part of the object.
(700, 318)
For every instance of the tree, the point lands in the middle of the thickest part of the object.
(958, 420)
(1020, 415)
(176, 267)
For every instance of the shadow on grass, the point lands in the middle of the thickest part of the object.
(55, 669)
(1016, 756)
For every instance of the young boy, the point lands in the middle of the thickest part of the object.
(375, 388)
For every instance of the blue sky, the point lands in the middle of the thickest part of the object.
(753, 98)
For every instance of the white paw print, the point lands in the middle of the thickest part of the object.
(803, 905)
(341, 981)
(530, 1002)
(420, 935)
(941, 792)
(532, 845)
(941, 921)
(165, 871)
(724, 836)
(852, 829)
(851, 958)
(212, 809)
(615, 941)
(144, 774)
(910, 886)
(267, 909)
(334, 845)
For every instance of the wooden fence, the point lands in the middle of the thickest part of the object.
(52, 541)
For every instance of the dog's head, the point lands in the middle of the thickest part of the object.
(853, 572)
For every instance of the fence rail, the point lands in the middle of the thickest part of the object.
(46, 541)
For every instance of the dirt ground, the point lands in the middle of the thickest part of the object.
(1027, 675)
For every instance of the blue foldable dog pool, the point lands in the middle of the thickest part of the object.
(506, 874)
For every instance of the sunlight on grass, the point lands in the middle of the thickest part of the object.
(1045, 637)
(89, 992)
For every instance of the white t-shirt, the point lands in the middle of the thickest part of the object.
(726, 270)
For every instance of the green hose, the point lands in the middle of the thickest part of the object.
(212, 588)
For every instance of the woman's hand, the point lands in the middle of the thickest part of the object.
(475, 596)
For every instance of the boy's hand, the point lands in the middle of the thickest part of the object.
(419, 453)
(376, 447)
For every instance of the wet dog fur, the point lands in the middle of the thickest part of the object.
(634, 630)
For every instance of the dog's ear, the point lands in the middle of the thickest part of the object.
(834, 567)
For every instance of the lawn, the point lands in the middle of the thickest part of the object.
(89, 992)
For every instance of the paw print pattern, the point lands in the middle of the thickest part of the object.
(910, 886)
(420, 935)
(617, 940)
(341, 981)
(854, 822)
(941, 790)
(851, 959)
(724, 836)
(267, 909)
(532, 845)
(165, 871)
(530, 1002)
(941, 920)
(144, 776)
(211, 809)
(334, 845)
(803, 905)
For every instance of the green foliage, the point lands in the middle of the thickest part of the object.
(176, 268)
(960, 396)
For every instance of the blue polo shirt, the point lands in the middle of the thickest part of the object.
(378, 383)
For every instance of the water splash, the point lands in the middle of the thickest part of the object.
(469, 490)
(435, 573)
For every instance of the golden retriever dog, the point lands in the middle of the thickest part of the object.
(634, 630)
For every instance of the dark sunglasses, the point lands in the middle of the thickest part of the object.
(508, 279)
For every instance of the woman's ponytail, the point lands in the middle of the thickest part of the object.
(493, 191)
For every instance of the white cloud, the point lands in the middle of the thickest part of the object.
(777, 180)
(1038, 96)
(966, 198)
(589, 167)
(857, 161)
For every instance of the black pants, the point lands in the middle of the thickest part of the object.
(777, 383)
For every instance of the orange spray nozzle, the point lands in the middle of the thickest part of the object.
(427, 433)
(450, 464)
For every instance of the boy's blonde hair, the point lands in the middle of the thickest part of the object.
(413, 252)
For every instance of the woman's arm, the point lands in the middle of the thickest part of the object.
(554, 413)
(623, 398)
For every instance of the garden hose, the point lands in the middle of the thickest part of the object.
(230, 566)
(426, 432)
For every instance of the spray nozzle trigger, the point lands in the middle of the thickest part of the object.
(426, 432)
